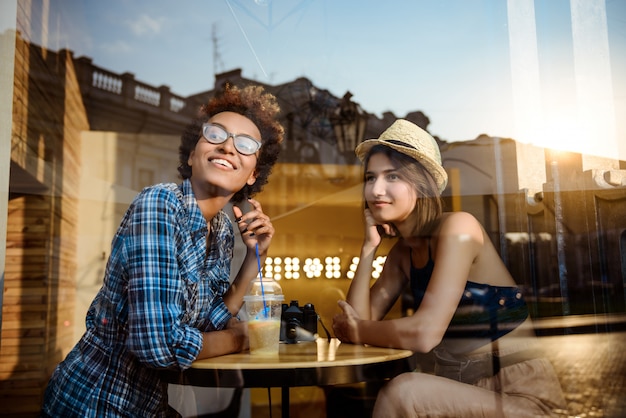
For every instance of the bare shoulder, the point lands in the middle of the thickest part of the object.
(460, 223)
(462, 234)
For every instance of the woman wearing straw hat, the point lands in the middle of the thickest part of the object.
(166, 299)
(467, 308)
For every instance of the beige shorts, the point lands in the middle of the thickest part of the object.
(526, 389)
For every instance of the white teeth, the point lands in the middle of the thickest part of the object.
(222, 162)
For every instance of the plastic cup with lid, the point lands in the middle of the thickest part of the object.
(263, 304)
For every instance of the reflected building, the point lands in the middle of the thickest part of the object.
(558, 219)
(85, 140)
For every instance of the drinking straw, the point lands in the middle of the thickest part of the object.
(258, 260)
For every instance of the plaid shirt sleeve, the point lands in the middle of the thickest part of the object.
(157, 335)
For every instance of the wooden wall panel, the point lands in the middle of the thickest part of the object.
(40, 271)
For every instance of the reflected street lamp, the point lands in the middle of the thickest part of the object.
(349, 123)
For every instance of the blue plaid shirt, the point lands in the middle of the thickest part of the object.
(161, 290)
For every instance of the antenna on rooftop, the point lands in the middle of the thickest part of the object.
(218, 64)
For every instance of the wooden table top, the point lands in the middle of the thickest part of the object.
(313, 363)
(319, 353)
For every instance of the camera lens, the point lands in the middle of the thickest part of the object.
(291, 331)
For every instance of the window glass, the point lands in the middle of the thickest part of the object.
(524, 98)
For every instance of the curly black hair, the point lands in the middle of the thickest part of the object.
(258, 106)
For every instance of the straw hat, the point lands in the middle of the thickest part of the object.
(408, 138)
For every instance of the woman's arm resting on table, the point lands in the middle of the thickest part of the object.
(232, 339)
(459, 242)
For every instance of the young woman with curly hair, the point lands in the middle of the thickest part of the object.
(166, 299)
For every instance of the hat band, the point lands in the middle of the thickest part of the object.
(402, 144)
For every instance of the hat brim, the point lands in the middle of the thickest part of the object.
(434, 168)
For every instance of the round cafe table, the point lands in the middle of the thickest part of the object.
(315, 363)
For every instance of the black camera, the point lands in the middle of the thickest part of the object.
(298, 324)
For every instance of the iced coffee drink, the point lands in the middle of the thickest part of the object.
(264, 336)
(263, 304)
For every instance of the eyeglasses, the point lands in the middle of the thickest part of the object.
(244, 144)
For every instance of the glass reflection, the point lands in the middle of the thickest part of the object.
(521, 95)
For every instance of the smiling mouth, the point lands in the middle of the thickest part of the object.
(222, 162)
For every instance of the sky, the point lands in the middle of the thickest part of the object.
(519, 69)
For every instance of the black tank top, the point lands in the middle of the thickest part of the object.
(484, 311)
